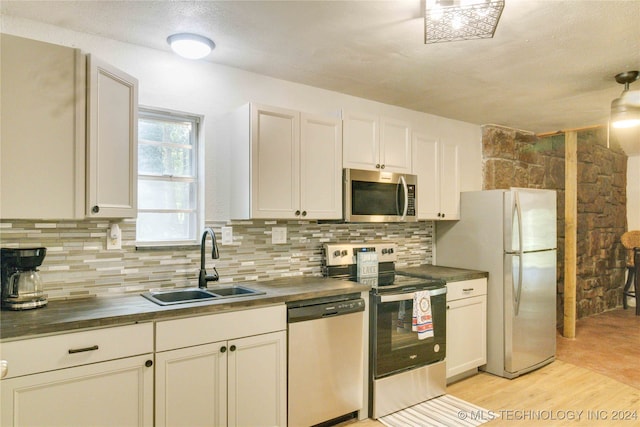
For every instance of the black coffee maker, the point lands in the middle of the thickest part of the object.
(21, 283)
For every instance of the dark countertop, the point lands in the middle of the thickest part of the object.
(60, 316)
(448, 274)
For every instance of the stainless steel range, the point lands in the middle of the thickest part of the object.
(405, 367)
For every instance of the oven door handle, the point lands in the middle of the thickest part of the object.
(406, 296)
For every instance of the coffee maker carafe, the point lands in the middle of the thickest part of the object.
(21, 283)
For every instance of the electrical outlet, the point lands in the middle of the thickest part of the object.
(278, 235)
(227, 235)
(114, 237)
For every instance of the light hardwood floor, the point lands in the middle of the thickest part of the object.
(562, 393)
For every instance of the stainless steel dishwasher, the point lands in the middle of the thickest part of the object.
(326, 359)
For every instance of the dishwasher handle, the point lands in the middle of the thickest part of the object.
(325, 310)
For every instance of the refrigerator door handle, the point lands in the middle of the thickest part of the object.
(518, 209)
(518, 291)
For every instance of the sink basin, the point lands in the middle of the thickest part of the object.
(178, 296)
(234, 291)
(181, 296)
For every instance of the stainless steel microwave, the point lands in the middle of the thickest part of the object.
(378, 196)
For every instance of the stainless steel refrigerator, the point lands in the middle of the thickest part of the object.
(512, 235)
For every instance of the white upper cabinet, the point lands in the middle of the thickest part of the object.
(375, 143)
(69, 134)
(112, 143)
(285, 164)
(43, 135)
(320, 167)
(436, 164)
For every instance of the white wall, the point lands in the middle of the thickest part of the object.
(210, 90)
(633, 192)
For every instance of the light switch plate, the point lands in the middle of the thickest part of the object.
(227, 235)
(278, 235)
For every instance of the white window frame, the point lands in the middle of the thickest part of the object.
(198, 167)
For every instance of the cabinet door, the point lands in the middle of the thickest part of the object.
(191, 386)
(275, 148)
(466, 334)
(115, 393)
(112, 170)
(425, 166)
(43, 136)
(258, 381)
(361, 142)
(395, 146)
(320, 167)
(449, 181)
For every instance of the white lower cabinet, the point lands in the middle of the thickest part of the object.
(238, 381)
(466, 327)
(62, 381)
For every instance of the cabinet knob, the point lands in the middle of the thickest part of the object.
(381, 166)
(148, 363)
(304, 213)
(95, 209)
(223, 349)
(232, 348)
(297, 213)
(442, 215)
(378, 166)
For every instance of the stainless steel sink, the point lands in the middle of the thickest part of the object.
(189, 295)
(178, 296)
(234, 291)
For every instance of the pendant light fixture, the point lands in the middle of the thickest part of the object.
(625, 111)
(191, 46)
(454, 20)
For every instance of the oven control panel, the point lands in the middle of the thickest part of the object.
(346, 253)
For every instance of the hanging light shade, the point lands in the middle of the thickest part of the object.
(454, 20)
(625, 110)
(191, 46)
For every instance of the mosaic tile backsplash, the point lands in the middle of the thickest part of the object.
(78, 264)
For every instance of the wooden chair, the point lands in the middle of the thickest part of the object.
(631, 241)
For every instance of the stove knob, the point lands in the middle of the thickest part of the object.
(344, 252)
(390, 251)
(336, 253)
(384, 251)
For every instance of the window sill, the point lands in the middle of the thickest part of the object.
(173, 246)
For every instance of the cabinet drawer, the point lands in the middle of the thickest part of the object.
(78, 348)
(191, 331)
(466, 289)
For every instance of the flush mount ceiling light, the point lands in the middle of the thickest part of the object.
(625, 111)
(190, 46)
(454, 20)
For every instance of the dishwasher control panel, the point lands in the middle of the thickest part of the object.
(325, 310)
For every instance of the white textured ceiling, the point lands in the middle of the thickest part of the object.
(549, 67)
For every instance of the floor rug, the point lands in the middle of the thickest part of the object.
(443, 411)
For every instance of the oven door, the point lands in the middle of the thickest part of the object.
(395, 347)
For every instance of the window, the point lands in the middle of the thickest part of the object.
(168, 184)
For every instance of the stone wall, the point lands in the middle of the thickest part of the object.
(514, 158)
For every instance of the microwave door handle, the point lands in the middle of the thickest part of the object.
(403, 182)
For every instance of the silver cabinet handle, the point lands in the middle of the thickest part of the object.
(4, 368)
(82, 350)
